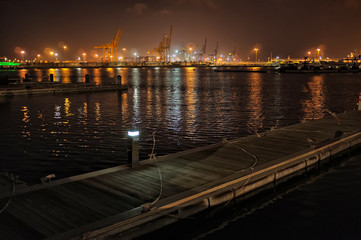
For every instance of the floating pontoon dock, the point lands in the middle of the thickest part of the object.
(123, 202)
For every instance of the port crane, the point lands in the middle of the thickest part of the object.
(111, 49)
(204, 49)
(164, 47)
(214, 54)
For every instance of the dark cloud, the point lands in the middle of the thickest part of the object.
(138, 8)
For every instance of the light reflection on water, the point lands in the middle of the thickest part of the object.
(185, 107)
(314, 105)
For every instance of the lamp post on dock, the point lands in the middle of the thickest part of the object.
(256, 49)
(133, 148)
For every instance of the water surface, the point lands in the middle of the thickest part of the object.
(185, 107)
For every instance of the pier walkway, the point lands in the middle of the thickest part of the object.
(54, 88)
(121, 202)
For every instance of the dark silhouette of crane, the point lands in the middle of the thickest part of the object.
(111, 49)
(164, 47)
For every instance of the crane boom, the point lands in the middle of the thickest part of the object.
(110, 48)
(164, 46)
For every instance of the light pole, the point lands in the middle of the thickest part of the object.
(84, 55)
(124, 52)
(22, 55)
(256, 49)
(51, 53)
(318, 53)
(64, 47)
(309, 55)
(38, 57)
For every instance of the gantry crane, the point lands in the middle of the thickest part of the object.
(204, 49)
(214, 54)
(111, 49)
(164, 47)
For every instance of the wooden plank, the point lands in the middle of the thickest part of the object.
(154, 178)
(110, 201)
(126, 201)
(86, 198)
(132, 188)
(32, 218)
(186, 166)
(54, 207)
(204, 166)
(81, 204)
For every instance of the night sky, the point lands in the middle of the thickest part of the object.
(283, 27)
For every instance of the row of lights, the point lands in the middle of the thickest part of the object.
(136, 55)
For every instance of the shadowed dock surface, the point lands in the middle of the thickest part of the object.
(110, 201)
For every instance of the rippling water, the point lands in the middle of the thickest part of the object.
(185, 107)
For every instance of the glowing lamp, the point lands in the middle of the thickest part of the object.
(133, 148)
(133, 133)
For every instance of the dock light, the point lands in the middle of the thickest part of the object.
(133, 148)
(133, 133)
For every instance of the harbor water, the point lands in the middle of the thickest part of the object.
(185, 108)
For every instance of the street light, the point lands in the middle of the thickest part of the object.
(318, 53)
(256, 49)
(84, 55)
(22, 55)
(65, 47)
(51, 53)
(38, 57)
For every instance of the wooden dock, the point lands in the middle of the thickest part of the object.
(55, 88)
(122, 203)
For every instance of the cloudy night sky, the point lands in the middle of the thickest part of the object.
(283, 27)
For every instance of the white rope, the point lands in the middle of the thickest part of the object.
(334, 115)
(149, 206)
(13, 178)
(252, 155)
(249, 168)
